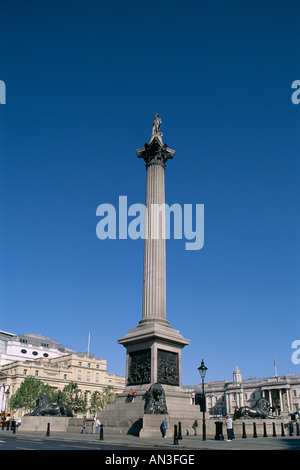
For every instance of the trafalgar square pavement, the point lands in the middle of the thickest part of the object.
(187, 443)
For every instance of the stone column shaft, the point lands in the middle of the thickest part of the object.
(154, 285)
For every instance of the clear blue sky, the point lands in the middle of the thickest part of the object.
(84, 80)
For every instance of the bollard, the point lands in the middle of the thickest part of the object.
(7, 426)
(219, 431)
(101, 433)
(48, 430)
(244, 436)
(298, 429)
(179, 430)
(254, 430)
(282, 430)
(274, 430)
(265, 430)
(13, 426)
(291, 429)
(175, 435)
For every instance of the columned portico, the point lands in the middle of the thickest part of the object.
(279, 398)
(4, 392)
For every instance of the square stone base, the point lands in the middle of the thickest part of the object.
(126, 417)
(40, 423)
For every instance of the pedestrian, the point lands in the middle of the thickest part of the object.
(195, 426)
(83, 430)
(131, 395)
(228, 422)
(97, 424)
(164, 427)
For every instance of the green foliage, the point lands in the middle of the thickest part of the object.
(28, 392)
(95, 402)
(31, 388)
(99, 400)
(74, 398)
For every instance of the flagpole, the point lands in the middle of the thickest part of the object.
(89, 344)
(275, 366)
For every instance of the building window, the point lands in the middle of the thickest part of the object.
(97, 376)
(34, 353)
(88, 376)
(46, 355)
(89, 364)
(80, 364)
(23, 351)
(79, 375)
(25, 372)
(36, 373)
(65, 376)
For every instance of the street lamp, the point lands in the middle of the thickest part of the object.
(202, 370)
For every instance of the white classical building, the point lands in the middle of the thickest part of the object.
(223, 397)
(38, 356)
(15, 347)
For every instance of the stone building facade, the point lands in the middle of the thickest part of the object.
(282, 392)
(87, 371)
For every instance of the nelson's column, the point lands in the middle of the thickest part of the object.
(153, 348)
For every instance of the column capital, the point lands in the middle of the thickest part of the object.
(155, 153)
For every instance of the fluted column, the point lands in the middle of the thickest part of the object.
(155, 154)
(154, 285)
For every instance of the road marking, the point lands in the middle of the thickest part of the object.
(76, 447)
(29, 440)
(24, 448)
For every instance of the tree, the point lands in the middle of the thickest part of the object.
(99, 400)
(28, 392)
(95, 402)
(107, 396)
(74, 398)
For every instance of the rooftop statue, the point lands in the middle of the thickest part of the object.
(156, 125)
(156, 128)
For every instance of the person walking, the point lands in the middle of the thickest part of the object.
(228, 422)
(195, 426)
(97, 424)
(164, 427)
(83, 430)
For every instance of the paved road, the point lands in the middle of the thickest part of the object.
(67, 441)
(23, 443)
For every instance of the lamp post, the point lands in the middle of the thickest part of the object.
(202, 370)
